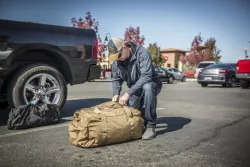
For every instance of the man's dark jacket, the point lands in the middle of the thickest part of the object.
(136, 72)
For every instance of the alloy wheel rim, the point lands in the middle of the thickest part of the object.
(42, 88)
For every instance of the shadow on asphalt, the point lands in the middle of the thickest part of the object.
(72, 105)
(173, 124)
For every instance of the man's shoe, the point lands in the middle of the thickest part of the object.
(149, 133)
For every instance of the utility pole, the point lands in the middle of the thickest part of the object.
(246, 53)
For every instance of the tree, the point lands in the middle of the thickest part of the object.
(199, 52)
(133, 35)
(154, 51)
(211, 50)
(90, 23)
(195, 55)
(87, 23)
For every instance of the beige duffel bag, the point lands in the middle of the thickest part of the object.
(105, 124)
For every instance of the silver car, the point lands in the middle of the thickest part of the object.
(201, 66)
(178, 75)
(223, 73)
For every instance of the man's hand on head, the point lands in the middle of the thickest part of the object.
(123, 99)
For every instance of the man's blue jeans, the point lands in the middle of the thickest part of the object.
(146, 101)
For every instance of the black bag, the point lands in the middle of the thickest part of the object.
(28, 116)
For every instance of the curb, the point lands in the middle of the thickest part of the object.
(191, 79)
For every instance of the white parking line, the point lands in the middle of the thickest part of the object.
(38, 128)
(33, 130)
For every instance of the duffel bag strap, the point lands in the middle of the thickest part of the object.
(104, 129)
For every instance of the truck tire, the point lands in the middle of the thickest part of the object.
(37, 83)
(244, 84)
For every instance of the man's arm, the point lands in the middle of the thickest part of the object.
(116, 79)
(145, 70)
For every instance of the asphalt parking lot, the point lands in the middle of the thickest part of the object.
(196, 127)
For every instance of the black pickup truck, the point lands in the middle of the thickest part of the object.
(38, 61)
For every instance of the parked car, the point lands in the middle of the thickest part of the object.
(164, 75)
(178, 75)
(189, 73)
(243, 73)
(37, 61)
(223, 73)
(201, 66)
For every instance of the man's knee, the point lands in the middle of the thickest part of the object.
(150, 86)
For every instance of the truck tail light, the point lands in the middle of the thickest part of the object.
(237, 68)
(223, 71)
(95, 49)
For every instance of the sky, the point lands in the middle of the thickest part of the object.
(169, 23)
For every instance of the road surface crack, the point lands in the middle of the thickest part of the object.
(214, 135)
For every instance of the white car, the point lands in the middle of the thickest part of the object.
(202, 65)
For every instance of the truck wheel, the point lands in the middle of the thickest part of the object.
(37, 84)
(244, 84)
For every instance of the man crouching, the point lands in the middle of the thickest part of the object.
(132, 63)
